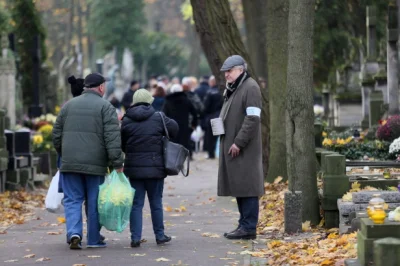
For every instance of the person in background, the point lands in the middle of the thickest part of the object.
(141, 134)
(175, 80)
(213, 101)
(127, 98)
(187, 84)
(202, 90)
(178, 107)
(159, 99)
(86, 135)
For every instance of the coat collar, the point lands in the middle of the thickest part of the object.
(92, 92)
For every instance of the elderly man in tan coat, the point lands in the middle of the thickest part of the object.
(240, 172)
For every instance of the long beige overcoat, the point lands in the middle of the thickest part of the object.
(241, 176)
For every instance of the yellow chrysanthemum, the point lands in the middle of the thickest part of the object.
(37, 139)
(47, 146)
(327, 142)
(46, 130)
(340, 141)
(324, 134)
(57, 109)
(348, 140)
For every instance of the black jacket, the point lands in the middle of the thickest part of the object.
(178, 107)
(141, 133)
(202, 90)
(213, 103)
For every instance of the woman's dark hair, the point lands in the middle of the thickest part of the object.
(76, 85)
(160, 92)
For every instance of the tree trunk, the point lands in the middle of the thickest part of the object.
(80, 37)
(70, 28)
(277, 43)
(299, 108)
(255, 19)
(220, 38)
(219, 35)
(194, 43)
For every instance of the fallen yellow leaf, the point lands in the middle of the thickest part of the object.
(79, 265)
(138, 255)
(168, 209)
(29, 256)
(327, 262)
(306, 226)
(10, 260)
(278, 179)
(61, 220)
(182, 208)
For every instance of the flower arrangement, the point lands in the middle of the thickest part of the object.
(354, 148)
(389, 129)
(394, 147)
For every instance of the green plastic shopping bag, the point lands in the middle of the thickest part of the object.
(115, 202)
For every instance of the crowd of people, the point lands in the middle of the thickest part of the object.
(192, 103)
(90, 140)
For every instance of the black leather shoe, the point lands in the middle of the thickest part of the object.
(163, 240)
(135, 244)
(102, 238)
(242, 234)
(227, 233)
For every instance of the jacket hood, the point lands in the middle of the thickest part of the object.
(140, 112)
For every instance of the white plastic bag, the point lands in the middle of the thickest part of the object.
(53, 197)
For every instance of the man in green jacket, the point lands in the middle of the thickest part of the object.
(87, 136)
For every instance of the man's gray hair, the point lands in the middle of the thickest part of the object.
(242, 67)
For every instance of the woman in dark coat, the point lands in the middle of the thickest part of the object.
(141, 135)
(178, 107)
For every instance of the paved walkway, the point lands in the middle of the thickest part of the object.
(197, 231)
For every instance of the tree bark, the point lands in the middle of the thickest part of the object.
(194, 43)
(277, 44)
(255, 19)
(70, 27)
(299, 108)
(219, 35)
(80, 36)
(220, 38)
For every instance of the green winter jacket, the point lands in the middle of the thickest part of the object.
(87, 135)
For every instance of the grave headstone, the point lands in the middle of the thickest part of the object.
(3, 153)
(371, 232)
(7, 81)
(381, 85)
(366, 89)
(376, 108)
(392, 60)
(293, 212)
(387, 252)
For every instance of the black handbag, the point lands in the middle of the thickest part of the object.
(175, 154)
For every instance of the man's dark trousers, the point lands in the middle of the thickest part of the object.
(248, 209)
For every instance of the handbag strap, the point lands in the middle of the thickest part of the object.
(165, 127)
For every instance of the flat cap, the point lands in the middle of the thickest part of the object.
(232, 61)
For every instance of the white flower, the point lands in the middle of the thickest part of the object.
(318, 110)
(394, 146)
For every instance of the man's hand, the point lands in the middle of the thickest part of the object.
(234, 150)
(120, 170)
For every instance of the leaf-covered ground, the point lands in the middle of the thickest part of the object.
(17, 207)
(314, 246)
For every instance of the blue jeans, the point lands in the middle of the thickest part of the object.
(154, 189)
(78, 188)
(248, 209)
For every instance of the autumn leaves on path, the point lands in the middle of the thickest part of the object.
(194, 217)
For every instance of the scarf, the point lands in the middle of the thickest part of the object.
(231, 87)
